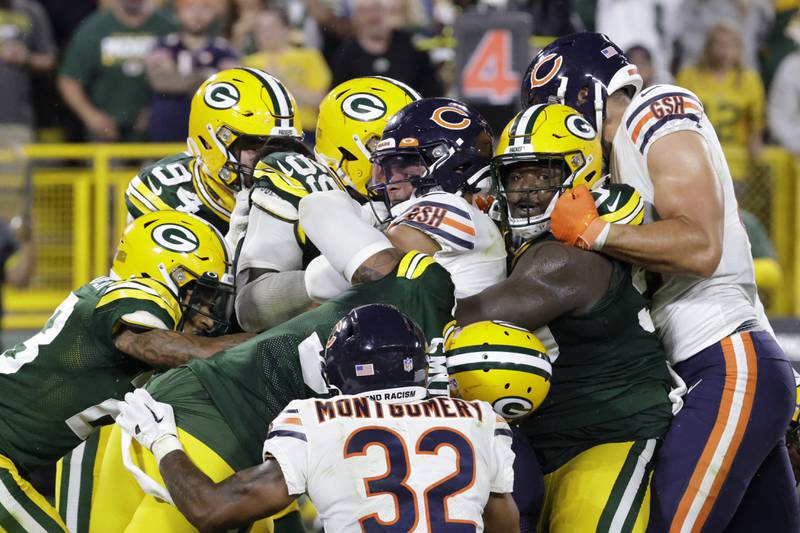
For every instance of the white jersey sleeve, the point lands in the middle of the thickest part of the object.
(660, 110)
(444, 217)
(287, 443)
(269, 243)
(502, 456)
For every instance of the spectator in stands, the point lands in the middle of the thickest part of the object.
(695, 19)
(303, 70)
(784, 103)
(179, 63)
(378, 49)
(643, 59)
(242, 24)
(102, 77)
(732, 95)
(26, 47)
(16, 244)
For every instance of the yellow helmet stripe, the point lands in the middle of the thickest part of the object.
(278, 94)
(411, 93)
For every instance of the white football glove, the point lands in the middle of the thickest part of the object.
(239, 217)
(322, 281)
(150, 422)
(274, 204)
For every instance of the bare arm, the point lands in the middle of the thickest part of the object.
(688, 200)
(377, 266)
(500, 514)
(98, 122)
(161, 348)
(163, 77)
(244, 497)
(407, 238)
(550, 280)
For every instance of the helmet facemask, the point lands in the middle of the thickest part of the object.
(207, 305)
(528, 187)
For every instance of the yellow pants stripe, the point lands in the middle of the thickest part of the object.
(22, 508)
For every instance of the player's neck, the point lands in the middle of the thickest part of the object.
(615, 109)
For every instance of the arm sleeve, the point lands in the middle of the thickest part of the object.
(659, 111)
(269, 243)
(287, 443)
(444, 217)
(271, 299)
(502, 456)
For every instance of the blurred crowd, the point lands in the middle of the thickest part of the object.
(124, 70)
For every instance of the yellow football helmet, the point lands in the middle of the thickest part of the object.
(499, 363)
(350, 123)
(556, 142)
(185, 253)
(235, 109)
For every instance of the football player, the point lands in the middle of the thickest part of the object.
(103, 340)
(224, 406)
(234, 114)
(275, 251)
(376, 356)
(595, 433)
(725, 450)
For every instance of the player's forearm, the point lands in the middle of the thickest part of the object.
(41, 63)
(169, 349)
(501, 514)
(167, 80)
(672, 246)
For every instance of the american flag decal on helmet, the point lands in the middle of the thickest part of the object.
(365, 370)
(608, 51)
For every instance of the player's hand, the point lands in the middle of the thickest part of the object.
(576, 222)
(150, 422)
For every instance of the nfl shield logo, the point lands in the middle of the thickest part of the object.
(408, 364)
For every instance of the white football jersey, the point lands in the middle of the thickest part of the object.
(690, 313)
(472, 248)
(415, 465)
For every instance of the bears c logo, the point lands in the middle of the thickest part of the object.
(512, 407)
(222, 95)
(461, 122)
(538, 79)
(363, 107)
(175, 238)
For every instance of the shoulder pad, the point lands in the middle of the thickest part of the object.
(129, 294)
(658, 107)
(444, 217)
(619, 204)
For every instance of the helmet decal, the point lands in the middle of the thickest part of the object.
(364, 107)
(175, 238)
(538, 81)
(580, 127)
(439, 118)
(512, 407)
(222, 95)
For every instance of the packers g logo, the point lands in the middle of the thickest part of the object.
(580, 127)
(512, 407)
(438, 117)
(363, 107)
(175, 238)
(221, 95)
(536, 79)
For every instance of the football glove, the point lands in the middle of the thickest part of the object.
(150, 422)
(575, 220)
(238, 223)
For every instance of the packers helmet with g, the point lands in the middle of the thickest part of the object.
(350, 123)
(541, 152)
(499, 363)
(186, 254)
(235, 110)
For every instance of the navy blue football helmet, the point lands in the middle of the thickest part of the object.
(377, 349)
(579, 70)
(430, 144)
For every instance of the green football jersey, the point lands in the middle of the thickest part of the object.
(60, 384)
(178, 183)
(251, 383)
(305, 175)
(610, 379)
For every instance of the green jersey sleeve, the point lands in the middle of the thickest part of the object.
(139, 303)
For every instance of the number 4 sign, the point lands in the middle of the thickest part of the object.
(489, 73)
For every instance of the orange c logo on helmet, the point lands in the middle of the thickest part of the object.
(438, 117)
(538, 81)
